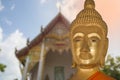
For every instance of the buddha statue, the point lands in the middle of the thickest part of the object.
(89, 44)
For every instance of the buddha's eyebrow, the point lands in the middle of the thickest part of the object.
(78, 34)
(94, 34)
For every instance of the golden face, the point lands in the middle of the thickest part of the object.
(88, 46)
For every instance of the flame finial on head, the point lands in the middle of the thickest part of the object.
(89, 4)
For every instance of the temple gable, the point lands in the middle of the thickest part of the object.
(56, 38)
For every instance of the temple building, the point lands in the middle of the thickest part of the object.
(48, 55)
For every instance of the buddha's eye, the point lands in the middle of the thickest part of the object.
(78, 39)
(94, 39)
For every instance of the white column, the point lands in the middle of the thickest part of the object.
(28, 76)
(41, 63)
(24, 76)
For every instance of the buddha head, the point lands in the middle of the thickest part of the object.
(88, 35)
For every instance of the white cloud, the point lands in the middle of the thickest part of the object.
(42, 1)
(1, 36)
(7, 55)
(1, 6)
(70, 8)
(8, 22)
(58, 4)
(12, 7)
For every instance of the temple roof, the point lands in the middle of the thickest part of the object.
(59, 17)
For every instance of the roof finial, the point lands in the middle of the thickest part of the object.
(60, 8)
(42, 29)
(28, 42)
(16, 50)
(58, 4)
(89, 4)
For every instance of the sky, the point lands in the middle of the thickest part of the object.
(22, 19)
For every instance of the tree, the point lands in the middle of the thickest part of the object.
(2, 67)
(112, 67)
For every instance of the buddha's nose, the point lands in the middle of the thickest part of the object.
(85, 47)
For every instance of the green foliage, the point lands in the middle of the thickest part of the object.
(2, 67)
(112, 67)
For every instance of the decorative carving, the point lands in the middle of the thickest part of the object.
(58, 38)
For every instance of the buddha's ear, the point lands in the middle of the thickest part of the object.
(105, 47)
(104, 52)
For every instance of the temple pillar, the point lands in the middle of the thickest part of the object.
(24, 76)
(41, 63)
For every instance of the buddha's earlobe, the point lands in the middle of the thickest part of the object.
(104, 52)
(102, 62)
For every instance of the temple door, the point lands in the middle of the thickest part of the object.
(59, 73)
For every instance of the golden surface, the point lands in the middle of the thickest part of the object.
(89, 42)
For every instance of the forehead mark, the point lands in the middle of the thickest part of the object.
(94, 34)
(78, 34)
